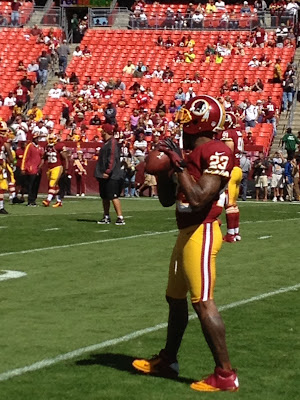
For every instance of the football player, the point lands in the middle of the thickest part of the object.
(201, 177)
(233, 138)
(56, 156)
(6, 158)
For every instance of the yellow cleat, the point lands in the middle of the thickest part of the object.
(57, 204)
(46, 203)
(157, 365)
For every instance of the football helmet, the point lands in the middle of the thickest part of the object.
(201, 114)
(3, 128)
(52, 139)
(230, 120)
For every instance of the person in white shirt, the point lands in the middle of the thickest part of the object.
(220, 5)
(140, 146)
(55, 92)
(33, 67)
(129, 68)
(19, 124)
(189, 94)
(197, 19)
(292, 7)
(101, 84)
(77, 52)
(157, 73)
(251, 114)
(20, 136)
(41, 130)
(10, 100)
(254, 63)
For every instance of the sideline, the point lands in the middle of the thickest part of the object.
(107, 343)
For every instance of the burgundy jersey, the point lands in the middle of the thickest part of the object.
(2, 149)
(53, 155)
(269, 109)
(235, 136)
(215, 158)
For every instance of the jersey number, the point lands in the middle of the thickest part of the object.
(217, 162)
(52, 157)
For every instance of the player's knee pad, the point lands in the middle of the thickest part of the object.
(232, 209)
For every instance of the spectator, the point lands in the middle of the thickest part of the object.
(110, 113)
(251, 114)
(41, 131)
(74, 78)
(142, 98)
(254, 63)
(225, 87)
(129, 68)
(75, 28)
(190, 42)
(261, 6)
(179, 57)
(77, 52)
(290, 142)
(168, 75)
(277, 76)
(219, 58)
(180, 95)
(289, 179)
(264, 61)
(55, 92)
(134, 119)
(96, 121)
(189, 56)
(235, 87)
(169, 43)
(140, 70)
(210, 7)
(143, 20)
(246, 87)
(44, 62)
(22, 95)
(35, 31)
(170, 18)
(63, 51)
(157, 73)
(21, 66)
(288, 92)
(179, 20)
(160, 41)
(3, 20)
(271, 114)
(33, 67)
(261, 166)
(160, 106)
(140, 147)
(277, 181)
(261, 37)
(35, 112)
(220, 5)
(258, 86)
(245, 165)
(197, 20)
(245, 8)
(172, 107)
(15, 14)
(190, 94)
(295, 173)
(10, 100)
(120, 85)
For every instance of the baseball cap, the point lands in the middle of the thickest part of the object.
(108, 128)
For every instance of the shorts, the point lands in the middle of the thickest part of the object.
(20, 178)
(110, 189)
(261, 181)
(193, 262)
(234, 185)
(150, 180)
(54, 175)
(277, 181)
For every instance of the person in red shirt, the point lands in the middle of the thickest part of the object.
(21, 94)
(201, 178)
(80, 165)
(6, 158)
(20, 181)
(56, 156)
(271, 114)
(260, 37)
(30, 168)
(15, 14)
(142, 98)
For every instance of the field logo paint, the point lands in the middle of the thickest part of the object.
(8, 274)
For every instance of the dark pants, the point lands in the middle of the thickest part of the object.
(291, 153)
(80, 183)
(63, 61)
(64, 184)
(33, 184)
(244, 185)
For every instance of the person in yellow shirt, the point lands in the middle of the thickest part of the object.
(36, 112)
(190, 42)
(277, 71)
(189, 56)
(219, 59)
(210, 7)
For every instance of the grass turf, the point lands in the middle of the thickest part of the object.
(77, 296)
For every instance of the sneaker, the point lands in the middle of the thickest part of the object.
(218, 381)
(57, 204)
(32, 205)
(3, 211)
(237, 237)
(158, 365)
(281, 199)
(82, 194)
(120, 221)
(77, 195)
(104, 220)
(16, 200)
(274, 199)
(229, 238)
(46, 203)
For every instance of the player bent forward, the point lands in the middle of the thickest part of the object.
(201, 178)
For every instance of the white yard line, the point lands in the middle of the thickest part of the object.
(51, 229)
(133, 335)
(106, 230)
(265, 237)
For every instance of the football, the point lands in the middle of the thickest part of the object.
(157, 161)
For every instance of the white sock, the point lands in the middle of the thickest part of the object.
(120, 216)
(230, 231)
(1, 204)
(50, 197)
(236, 231)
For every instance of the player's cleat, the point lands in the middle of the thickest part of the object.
(46, 203)
(220, 380)
(158, 365)
(104, 220)
(32, 205)
(57, 204)
(120, 221)
(281, 198)
(82, 194)
(3, 211)
(237, 237)
(229, 238)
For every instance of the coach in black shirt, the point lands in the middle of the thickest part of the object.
(108, 173)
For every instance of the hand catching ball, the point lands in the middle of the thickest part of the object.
(156, 162)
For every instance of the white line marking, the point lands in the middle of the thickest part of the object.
(65, 246)
(133, 335)
(51, 229)
(3, 227)
(265, 237)
(106, 230)
(128, 216)
(11, 274)
(271, 220)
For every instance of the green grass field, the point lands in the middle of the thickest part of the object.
(88, 284)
